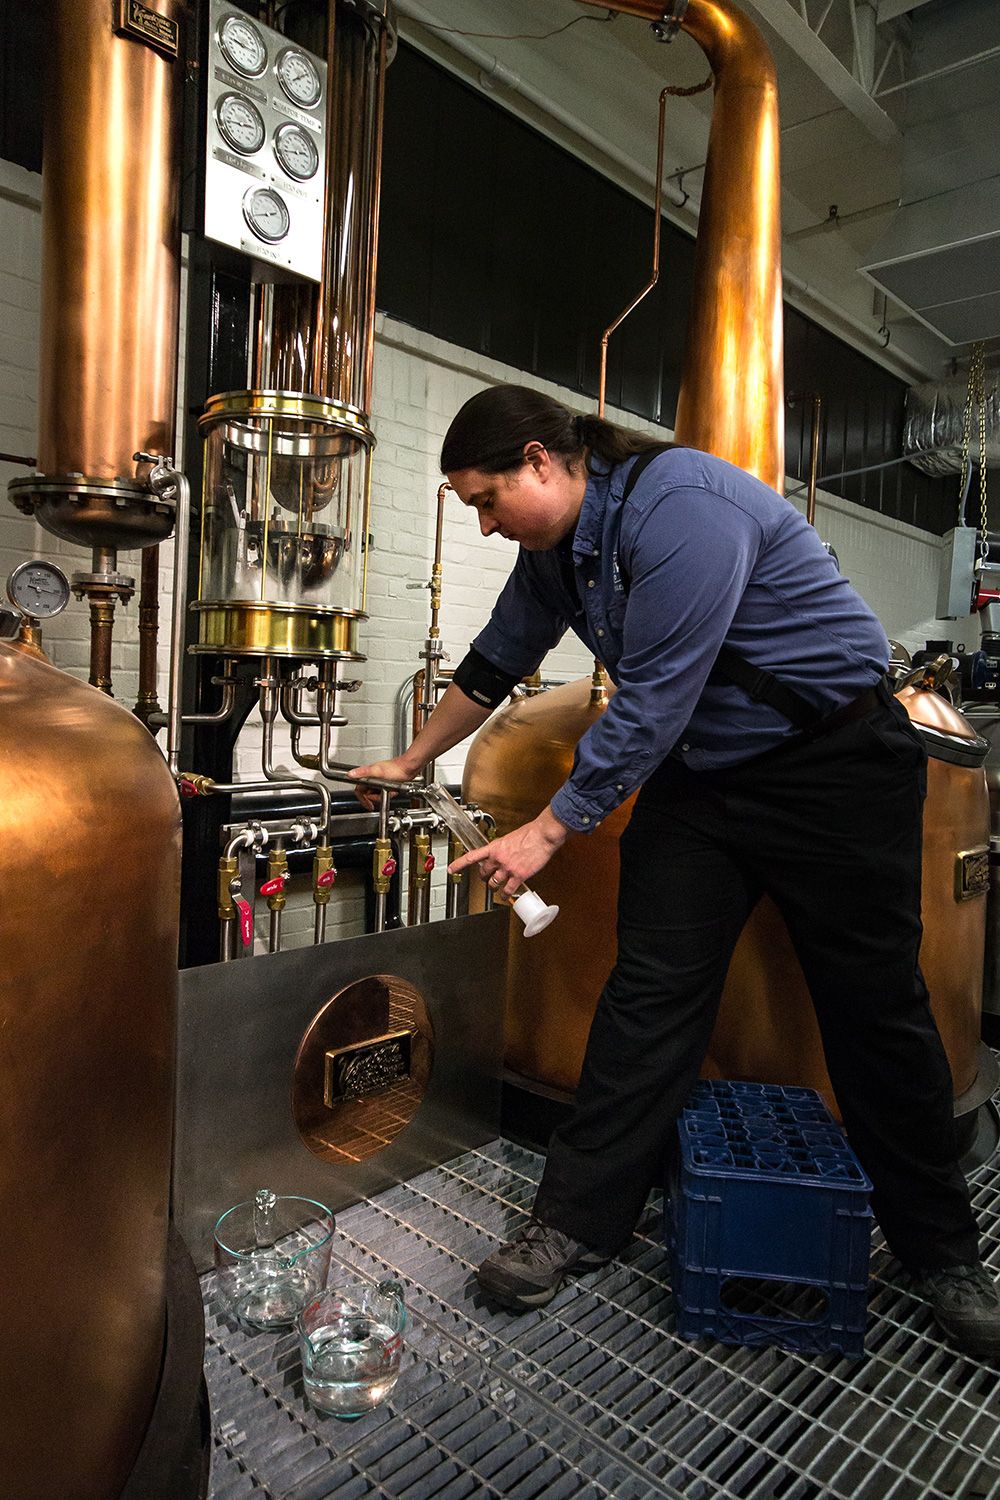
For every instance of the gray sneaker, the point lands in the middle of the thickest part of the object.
(966, 1304)
(529, 1269)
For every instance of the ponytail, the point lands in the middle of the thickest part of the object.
(492, 429)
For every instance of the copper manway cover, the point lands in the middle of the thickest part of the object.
(932, 711)
(362, 1068)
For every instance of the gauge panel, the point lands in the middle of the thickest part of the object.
(38, 589)
(296, 152)
(242, 45)
(265, 143)
(299, 77)
(240, 123)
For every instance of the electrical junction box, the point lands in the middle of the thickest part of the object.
(957, 574)
(265, 150)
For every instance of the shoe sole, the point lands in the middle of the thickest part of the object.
(508, 1297)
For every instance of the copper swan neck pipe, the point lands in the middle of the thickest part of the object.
(731, 399)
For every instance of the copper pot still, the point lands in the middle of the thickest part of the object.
(766, 1029)
(90, 826)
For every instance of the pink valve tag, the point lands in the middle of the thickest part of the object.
(326, 879)
(246, 920)
(274, 885)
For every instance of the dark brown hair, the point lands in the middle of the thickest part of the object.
(492, 428)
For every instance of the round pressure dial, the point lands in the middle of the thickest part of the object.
(243, 46)
(38, 589)
(298, 77)
(296, 152)
(240, 124)
(266, 213)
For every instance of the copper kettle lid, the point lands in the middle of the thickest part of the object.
(946, 733)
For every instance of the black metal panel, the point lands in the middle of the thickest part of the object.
(21, 69)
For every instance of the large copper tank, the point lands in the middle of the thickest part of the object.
(766, 1029)
(90, 830)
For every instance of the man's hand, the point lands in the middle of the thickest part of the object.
(384, 770)
(511, 861)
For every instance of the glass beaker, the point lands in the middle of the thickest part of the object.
(272, 1255)
(351, 1338)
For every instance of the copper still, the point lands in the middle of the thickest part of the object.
(766, 1029)
(88, 985)
(110, 290)
(730, 404)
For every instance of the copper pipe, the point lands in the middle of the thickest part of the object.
(731, 398)
(655, 272)
(102, 619)
(149, 612)
(817, 407)
(110, 245)
(375, 196)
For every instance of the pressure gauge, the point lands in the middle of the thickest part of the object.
(38, 589)
(298, 77)
(240, 123)
(243, 46)
(266, 213)
(296, 152)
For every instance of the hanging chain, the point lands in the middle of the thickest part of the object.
(980, 350)
(975, 396)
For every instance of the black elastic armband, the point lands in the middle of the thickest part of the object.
(481, 681)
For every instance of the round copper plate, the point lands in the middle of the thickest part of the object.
(362, 1068)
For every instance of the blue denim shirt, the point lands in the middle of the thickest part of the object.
(700, 554)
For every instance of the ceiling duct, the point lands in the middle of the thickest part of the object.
(935, 419)
(940, 258)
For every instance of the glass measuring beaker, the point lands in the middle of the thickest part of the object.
(351, 1340)
(272, 1255)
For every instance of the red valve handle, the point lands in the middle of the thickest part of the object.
(274, 885)
(246, 920)
(326, 879)
(984, 597)
(187, 788)
(429, 862)
(389, 868)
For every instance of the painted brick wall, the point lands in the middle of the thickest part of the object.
(420, 382)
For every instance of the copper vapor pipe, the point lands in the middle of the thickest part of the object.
(149, 614)
(731, 397)
(654, 275)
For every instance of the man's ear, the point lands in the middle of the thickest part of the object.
(537, 455)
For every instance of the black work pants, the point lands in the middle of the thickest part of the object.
(830, 828)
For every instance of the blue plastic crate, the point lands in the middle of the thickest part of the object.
(767, 1197)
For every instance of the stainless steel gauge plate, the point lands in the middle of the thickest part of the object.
(240, 124)
(243, 46)
(267, 214)
(296, 152)
(298, 77)
(38, 589)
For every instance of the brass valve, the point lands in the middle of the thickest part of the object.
(228, 871)
(455, 850)
(423, 860)
(277, 877)
(383, 867)
(191, 784)
(324, 874)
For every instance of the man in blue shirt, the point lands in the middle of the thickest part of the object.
(752, 710)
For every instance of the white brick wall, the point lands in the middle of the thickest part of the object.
(420, 382)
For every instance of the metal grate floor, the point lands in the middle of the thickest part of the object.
(595, 1396)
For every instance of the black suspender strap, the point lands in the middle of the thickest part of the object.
(759, 685)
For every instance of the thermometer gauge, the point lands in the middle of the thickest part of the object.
(243, 46)
(38, 589)
(298, 77)
(240, 124)
(266, 213)
(295, 151)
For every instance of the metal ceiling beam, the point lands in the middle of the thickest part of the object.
(830, 71)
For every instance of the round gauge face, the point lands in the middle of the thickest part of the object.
(38, 589)
(243, 46)
(266, 213)
(240, 123)
(298, 77)
(296, 152)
